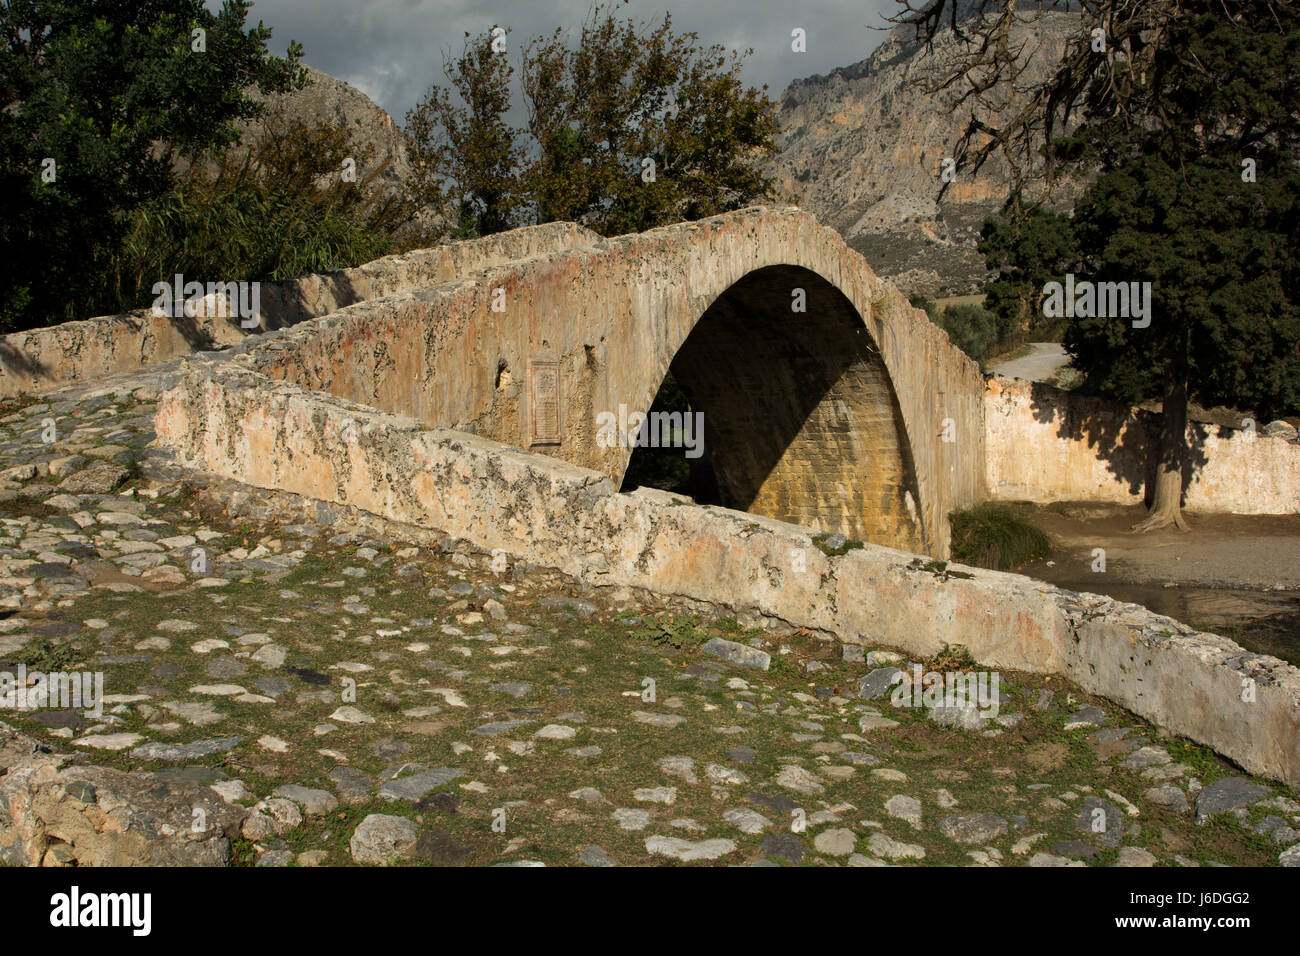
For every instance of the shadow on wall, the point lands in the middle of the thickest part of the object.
(297, 300)
(801, 422)
(17, 362)
(199, 332)
(1124, 439)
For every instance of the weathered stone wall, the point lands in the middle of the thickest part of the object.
(604, 325)
(1044, 444)
(233, 422)
(42, 359)
(55, 813)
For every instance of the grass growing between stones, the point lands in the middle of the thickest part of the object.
(588, 675)
(606, 777)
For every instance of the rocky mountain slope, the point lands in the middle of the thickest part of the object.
(327, 99)
(862, 147)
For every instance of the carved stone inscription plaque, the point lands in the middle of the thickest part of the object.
(544, 402)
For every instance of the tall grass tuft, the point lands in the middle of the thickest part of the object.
(994, 536)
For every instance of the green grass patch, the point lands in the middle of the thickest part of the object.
(843, 545)
(994, 536)
(1206, 764)
(51, 656)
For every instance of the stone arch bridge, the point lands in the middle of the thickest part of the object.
(827, 400)
(855, 415)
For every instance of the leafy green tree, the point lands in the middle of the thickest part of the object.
(98, 98)
(1027, 252)
(559, 179)
(1225, 310)
(1188, 111)
(471, 151)
(638, 125)
(973, 329)
(630, 127)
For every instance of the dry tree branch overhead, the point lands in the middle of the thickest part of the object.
(1107, 73)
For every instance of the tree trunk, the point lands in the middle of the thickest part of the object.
(1166, 504)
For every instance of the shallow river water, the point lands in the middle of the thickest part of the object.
(1267, 622)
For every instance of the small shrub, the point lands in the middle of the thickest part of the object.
(273, 208)
(994, 536)
(1202, 760)
(972, 328)
(51, 656)
(672, 632)
(242, 852)
(955, 659)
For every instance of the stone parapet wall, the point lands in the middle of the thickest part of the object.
(230, 421)
(1044, 444)
(875, 429)
(42, 359)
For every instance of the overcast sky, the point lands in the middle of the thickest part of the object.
(392, 49)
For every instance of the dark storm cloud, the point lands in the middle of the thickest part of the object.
(392, 49)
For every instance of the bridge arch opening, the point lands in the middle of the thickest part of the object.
(800, 418)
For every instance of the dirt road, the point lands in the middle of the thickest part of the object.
(1041, 364)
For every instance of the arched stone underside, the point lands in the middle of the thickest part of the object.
(800, 418)
(831, 417)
